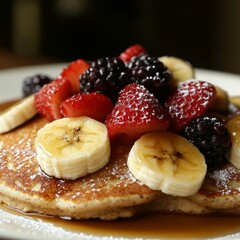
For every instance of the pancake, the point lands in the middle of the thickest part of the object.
(106, 194)
(110, 193)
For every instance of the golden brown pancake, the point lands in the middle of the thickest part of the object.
(107, 194)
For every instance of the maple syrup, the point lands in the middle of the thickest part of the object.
(147, 226)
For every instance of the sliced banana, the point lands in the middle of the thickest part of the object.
(17, 114)
(235, 100)
(181, 69)
(221, 100)
(168, 162)
(234, 130)
(70, 148)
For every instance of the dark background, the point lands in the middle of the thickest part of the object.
(206, 32)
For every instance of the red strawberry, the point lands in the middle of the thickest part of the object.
(190, 100)
(72, 73)
(132, 51)
(50, 97)
(137, 111)
(94, 105)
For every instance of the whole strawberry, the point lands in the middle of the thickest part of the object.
(50, 97)
(73, 71)
(136, 112)
(132, 51)
(190, 100)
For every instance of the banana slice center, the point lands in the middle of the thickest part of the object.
(72, 147)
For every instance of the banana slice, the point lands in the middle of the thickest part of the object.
(234, 130)
(181, 70)
(168, 162)
(235, 100)
(17, 114)
(70, 148)
(221, 100)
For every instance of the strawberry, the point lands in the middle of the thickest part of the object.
(73, 71)
(94, 105)
(132, 51)
(50, 97)
(190, 100)
(137, 111)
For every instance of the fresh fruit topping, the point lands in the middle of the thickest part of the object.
(181, 69)
(34, 83)
(137, 111)
(50, 97)
(70, 148)
(151, 73)
(234, 129)
(94, 105)
(211, 137)
(107, 76)
(190, 100)
(17, 114)
(132, 51)
(73, 71)
(168, 162)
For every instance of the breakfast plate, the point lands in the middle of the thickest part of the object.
(14, 225)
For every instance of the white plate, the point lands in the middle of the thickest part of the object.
(11, 79)
(24, 227)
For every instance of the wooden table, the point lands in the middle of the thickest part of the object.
(9, 59)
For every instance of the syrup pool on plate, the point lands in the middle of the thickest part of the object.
(158, 226)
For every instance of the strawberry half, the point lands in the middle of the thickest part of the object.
(136, 112)
(190, 100)
(73, 71)
(132, 51)
(50, 97)
(94, 105)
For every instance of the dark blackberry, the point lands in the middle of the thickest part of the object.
(107, 76)
(212, 138)
(151, 73)
(34, 83)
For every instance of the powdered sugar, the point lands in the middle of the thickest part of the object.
(224, 177)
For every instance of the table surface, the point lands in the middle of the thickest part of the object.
(10, 59)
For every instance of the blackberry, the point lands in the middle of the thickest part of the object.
(34, 83)
(212, 138)
(107, 76)
(151, 73)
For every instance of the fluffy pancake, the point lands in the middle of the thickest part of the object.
(103, 194)
(107, 194)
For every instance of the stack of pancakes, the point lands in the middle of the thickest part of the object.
(107, 194)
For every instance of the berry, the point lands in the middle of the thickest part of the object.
(106, 76)
(190, 100)
(94, 105)
(132, 51)
(212, 138)
(137, 111)
(151, 73)
(50, 97)
(34, 83)
(73, 71)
